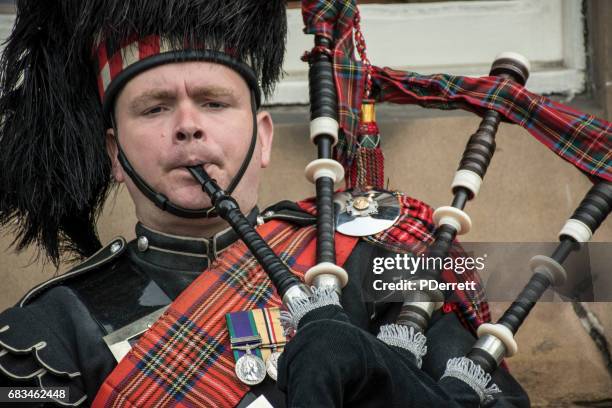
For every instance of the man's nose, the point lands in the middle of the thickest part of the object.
(187, 127)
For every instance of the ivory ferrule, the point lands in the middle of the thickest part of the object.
(324, 168)
(577, 230)
(456, 218)
(329, 270)
(502, 333)
(467, 179)
(324, 126)
(554, 271)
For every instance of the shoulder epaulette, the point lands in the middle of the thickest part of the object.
(290, 212)
(107, 253)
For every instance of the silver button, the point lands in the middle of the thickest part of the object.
(115, 247)
(269, 213)
(143, 243)
(260, 220)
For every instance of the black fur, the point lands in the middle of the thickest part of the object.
(54, 171)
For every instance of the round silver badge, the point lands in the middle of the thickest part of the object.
(250, 369)
(363, 213)
(272, 364)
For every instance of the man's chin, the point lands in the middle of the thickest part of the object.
(190, 202)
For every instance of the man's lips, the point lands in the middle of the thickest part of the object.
(208, 167)
(185, 165)
(193, 163)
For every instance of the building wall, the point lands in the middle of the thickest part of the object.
(527, 195)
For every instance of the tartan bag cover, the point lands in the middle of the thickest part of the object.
(185, 359)
(582, 139)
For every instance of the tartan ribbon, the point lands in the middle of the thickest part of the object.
(583, 140)
(185, 359)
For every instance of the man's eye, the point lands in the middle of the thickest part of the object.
(214, 105)
(154, 110)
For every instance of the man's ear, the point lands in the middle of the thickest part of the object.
(113, 151)
(265, 133)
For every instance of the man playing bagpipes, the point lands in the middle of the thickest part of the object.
(143, 92)
(363, 371)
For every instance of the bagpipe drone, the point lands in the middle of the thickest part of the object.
(342, 95)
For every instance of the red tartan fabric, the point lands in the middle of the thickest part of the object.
(185, 358)
(111, 64)
(413, 232)
(582, 139)
(415, 228)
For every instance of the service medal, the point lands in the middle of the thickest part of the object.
(256, 336)
(250, 369)
(272, 364)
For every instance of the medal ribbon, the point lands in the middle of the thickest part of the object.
(247, 326)
(269, 328)
(243, 332)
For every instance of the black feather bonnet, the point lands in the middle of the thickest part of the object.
(54, 170)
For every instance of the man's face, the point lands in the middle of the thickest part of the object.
(186, 114)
